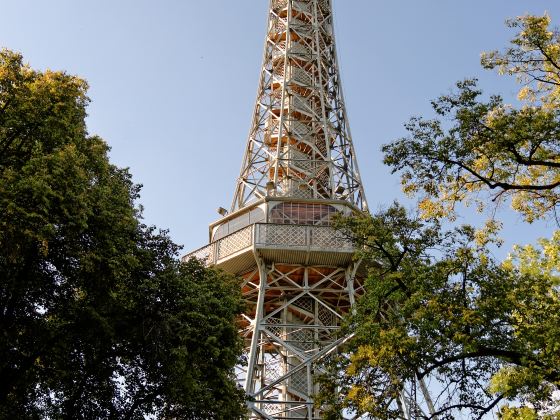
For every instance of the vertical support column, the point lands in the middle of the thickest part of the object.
(285, 353)
(312, 386)
(283, 112)
(250, 381)
(308, 368)
(322, 92)
(350, 276)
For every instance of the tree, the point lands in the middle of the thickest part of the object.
(485, 149)
(446, 325)
(98, 319)
(443, 323)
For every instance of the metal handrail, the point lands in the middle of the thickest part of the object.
(309, 239)
(263, 235)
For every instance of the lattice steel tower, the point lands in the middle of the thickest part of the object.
(299, 169)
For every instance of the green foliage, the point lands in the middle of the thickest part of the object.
(518, 413)
(441, 319)
(477, 150)
(439, 309)
(98, 318)
(533, 58)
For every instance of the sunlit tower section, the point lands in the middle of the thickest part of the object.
(299, 169)
(300, 143)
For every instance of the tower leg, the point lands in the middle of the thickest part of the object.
(296, 316)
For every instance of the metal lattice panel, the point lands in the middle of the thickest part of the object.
(282, 235)
(205, 254)
(327, 317)
(301, 338)
(305, 303)
(299, 382)
(301, 236)
(235, 242)
(270, 325)
(273, 368)
(327, 237)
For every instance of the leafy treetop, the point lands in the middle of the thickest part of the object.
(98, 318)
(444, 322)
(477, 149)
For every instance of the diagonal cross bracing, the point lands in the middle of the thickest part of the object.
(299, 143)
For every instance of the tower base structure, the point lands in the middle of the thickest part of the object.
(298, 279)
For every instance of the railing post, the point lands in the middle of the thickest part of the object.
(215, 252)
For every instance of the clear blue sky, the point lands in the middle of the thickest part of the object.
(173, 83)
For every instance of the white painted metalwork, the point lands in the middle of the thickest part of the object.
(296, 313)
(299, 144)
(274, 236)
(298, 275)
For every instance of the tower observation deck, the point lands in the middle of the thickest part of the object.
(299, 169)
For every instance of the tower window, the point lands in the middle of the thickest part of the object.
(254, 216)
(302, 214)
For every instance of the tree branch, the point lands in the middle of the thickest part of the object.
(504, 185)
(506, 355)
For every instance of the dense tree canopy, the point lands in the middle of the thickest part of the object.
(443, 324)
(446, 324)
(98, 319)
(480, 149)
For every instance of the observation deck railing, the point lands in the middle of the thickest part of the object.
(274, 236)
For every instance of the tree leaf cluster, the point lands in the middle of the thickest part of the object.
(98, 319)
(444, 330)
(441, 313)
(480, 150)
